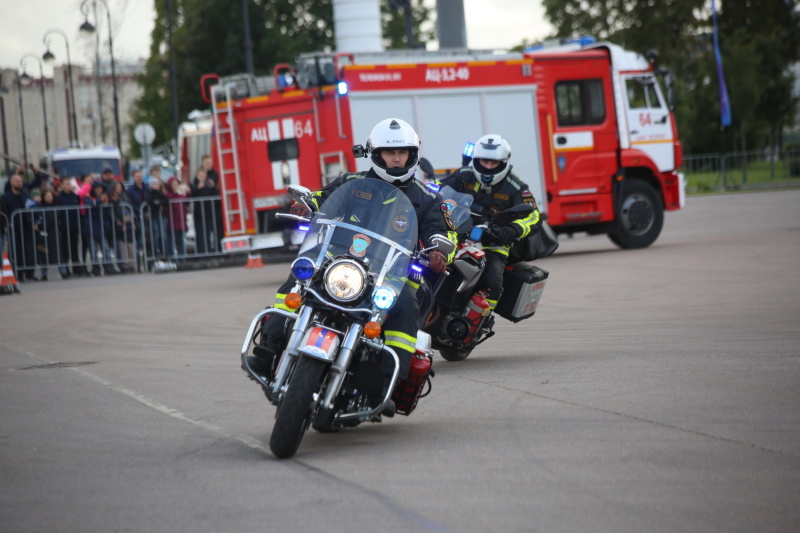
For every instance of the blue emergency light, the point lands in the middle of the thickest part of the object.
(469, 149)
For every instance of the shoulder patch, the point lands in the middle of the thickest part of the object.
(446, 214)
(528, 198)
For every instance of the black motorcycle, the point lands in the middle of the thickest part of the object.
(459, 319)
(358, 253)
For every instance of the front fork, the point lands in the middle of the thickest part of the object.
(338, 365)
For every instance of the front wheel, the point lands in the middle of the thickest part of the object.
(640, 216)
(294, 412)
(455, 353)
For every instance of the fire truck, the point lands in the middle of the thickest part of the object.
(591, 131)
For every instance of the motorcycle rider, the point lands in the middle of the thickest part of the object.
(495, 188)
(393, 148)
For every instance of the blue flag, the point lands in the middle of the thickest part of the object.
(724, 103)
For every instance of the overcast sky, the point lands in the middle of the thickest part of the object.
(490, 24)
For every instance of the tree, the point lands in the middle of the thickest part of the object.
(394, 24)
(208, 38)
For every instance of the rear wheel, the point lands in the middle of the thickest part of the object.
(294, 412)
(640, 217)
(455, 353)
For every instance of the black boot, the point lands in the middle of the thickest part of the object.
(262, 362)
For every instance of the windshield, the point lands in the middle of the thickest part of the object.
(370, 220)
(76, 168)
(458, 204)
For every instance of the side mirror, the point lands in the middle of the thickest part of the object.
(299, 192)
(359, 151)
(443, 244)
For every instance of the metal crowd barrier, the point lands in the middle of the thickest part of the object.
(63, 237)
(3, 232)
(186, 229)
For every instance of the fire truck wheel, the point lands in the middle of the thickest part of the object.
(641, 216)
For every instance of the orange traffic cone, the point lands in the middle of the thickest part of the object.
(8, 282)
(254, 261)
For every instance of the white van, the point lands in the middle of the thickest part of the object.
(75, 162)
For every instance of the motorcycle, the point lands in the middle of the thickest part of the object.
(459, 319)
(335, 370)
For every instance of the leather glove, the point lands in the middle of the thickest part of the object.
(506, 235)
(300, 210)
(437, 261)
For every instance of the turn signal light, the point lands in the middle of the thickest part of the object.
(372, 330)
(293, 300)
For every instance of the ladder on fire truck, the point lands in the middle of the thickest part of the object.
(227, 148)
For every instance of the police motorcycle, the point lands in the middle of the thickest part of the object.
(459, 319)
(351, 267)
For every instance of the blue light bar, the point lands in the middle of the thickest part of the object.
(342, 88)
(416, 268)
(303, 227)
(469, 149)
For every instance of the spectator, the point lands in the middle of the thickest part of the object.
(208, 165)
(69, 229)
(46, 228)
(83, 191)
(96, 228)
(108, 179)
(22, 248)
(176, 219)
(121, 213)
(155, 172)
(137, 195)
(206, 193)
(157, 203)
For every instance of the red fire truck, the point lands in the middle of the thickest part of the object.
(590, 129)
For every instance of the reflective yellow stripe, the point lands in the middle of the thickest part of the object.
(390, 200)
(526, 224)
(410, 338)
(400, 340)
(492, 303)
(501, 250)
(279, 299)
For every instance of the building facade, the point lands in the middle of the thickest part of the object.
(22, 109)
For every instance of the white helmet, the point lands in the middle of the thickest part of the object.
(491, 147)
(393, 134)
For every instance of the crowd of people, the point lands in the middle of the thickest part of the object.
(90, 225)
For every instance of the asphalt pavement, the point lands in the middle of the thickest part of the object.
(654, 390)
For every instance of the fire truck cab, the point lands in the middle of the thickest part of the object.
(589, 127)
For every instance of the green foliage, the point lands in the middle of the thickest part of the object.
(394, 26)
(208, 38)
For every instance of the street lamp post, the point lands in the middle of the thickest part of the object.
(22, 126)
(41, 86)
(3, 91)
(48, 58)
(86, 27)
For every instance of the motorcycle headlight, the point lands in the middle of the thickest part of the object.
(345, 280)
(383, 298)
